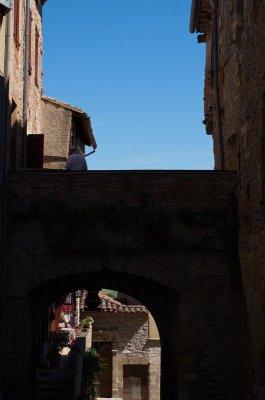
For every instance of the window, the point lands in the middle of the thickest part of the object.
(16, 23)
(68, 299)
(37, 38)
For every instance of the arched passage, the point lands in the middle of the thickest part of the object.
(161, 301)
(167, 238)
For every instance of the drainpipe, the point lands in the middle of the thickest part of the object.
(216, 86)
(193, 15)
(4, 140)
(26, 83)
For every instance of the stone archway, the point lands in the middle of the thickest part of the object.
(162, 301)
(167, 238)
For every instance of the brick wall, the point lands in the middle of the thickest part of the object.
(133, 346)
(56, 126)
(17, 81)
(242, 84)
(143, 233)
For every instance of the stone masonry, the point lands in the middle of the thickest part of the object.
(34, 76)
(135, 341)
(173, 234)
(241, 67)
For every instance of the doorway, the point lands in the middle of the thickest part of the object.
(135, 382)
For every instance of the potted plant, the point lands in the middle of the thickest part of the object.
(87, 322)
(57, 341)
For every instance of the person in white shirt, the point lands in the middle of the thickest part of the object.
(76, 161)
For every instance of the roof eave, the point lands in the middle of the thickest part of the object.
(201, 15)
(194, 15)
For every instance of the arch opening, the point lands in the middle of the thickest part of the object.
(129, 341)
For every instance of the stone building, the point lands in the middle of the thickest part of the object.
(127, 340)
(234, 33)
(196, 237)
(23, 57)
(5, 8)
(63, 126)
(40, 129)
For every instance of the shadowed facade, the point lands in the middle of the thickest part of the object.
(171, 233)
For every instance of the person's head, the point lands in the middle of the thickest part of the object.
(72, 150)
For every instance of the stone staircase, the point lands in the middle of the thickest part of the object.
(55, 389)
(55, 383)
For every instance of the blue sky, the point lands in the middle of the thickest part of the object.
(133, 66)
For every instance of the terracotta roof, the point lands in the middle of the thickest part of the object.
(86, 131)
(108, 304)
(63, 104)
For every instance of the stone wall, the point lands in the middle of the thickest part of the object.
(173, 234)
(241, 32)
(35, 77)
(144, 209)
(17, 81)
(131, 340)
(56, 126)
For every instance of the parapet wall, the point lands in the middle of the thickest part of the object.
(137, 210)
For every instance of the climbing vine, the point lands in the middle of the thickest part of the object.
(91, 370)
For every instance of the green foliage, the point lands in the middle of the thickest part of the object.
(91, 370)
(87, 321)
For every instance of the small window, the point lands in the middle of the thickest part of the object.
(16, 22)
(37, 45)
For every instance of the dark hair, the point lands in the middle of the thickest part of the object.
(72, 150)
